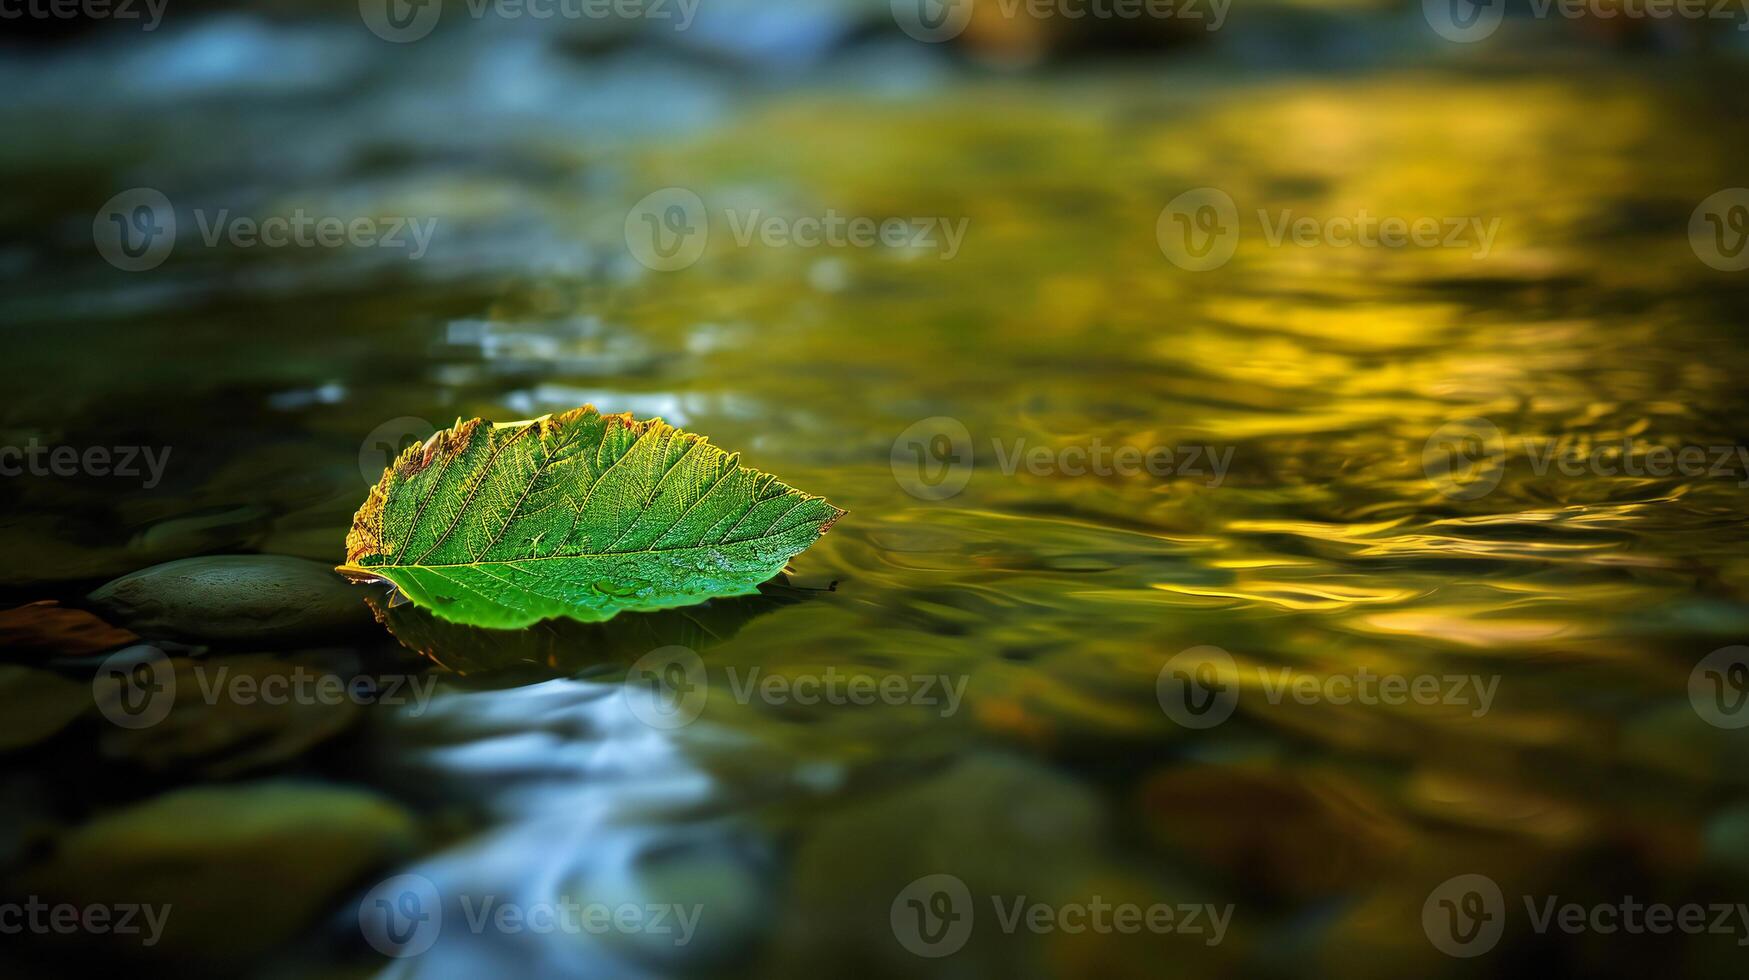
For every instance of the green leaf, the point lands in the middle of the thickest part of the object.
(578, 514)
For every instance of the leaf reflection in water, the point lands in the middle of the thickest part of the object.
(561, 646)
(604, 856)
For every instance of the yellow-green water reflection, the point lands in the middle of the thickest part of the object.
(1325, 549)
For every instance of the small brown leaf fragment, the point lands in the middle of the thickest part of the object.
(46, 628)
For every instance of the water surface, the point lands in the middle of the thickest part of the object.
(1328, 546)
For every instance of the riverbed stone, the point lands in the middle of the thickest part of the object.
(35, 704)
(303, 845)
(235, 598)
(213, 530)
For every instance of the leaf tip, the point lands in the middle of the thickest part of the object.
(358, 574)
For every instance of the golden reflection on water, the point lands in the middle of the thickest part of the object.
(1326, 548)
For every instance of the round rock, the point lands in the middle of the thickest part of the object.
(235, 598)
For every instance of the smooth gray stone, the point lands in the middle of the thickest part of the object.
(235, 598)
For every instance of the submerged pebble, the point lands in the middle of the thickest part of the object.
(35, 704)
(236, 598)
(263, 711)
(236, 527)
(180, 852)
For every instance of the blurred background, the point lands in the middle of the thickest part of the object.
(1400, 291)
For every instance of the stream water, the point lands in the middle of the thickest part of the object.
(1278, 595)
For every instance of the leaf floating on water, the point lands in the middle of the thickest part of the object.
(578, 514)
